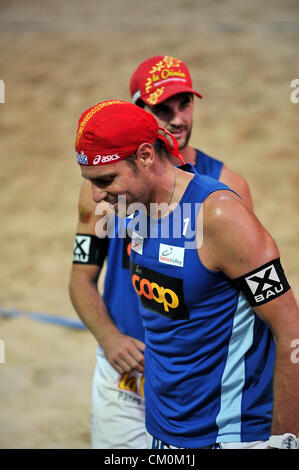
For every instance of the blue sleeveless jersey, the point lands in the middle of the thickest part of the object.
(206, 165)
(119, 294)
(209, 358)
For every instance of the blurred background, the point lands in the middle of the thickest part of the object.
(57, 59)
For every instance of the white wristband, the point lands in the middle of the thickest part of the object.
(285, 441)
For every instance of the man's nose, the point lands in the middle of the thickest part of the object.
(177, 118)
(98, 194)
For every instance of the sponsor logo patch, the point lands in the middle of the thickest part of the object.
(137, 243)
(132, 383)
(81, 248)
(81, 158)
(264, 283)
(159, 293)
(170, 254)
(105, 158)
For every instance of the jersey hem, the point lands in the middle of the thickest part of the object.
(193, 443)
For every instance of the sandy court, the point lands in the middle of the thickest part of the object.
(58, 58)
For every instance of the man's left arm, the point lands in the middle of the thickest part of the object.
(238, 245)
(282, 316)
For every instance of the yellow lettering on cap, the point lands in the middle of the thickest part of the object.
(157, 67)
(171, 61)
(153, 97)
(171, 73)
(155, 78)
(93, 111)
(148, 85)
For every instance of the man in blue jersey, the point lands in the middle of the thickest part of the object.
(114, 319)
(117, 420)
(163, 86)
(218, 314)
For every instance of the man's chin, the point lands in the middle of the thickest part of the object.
(184, 141)
(121, 210)
(183, 144)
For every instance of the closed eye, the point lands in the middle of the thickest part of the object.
(102, 181)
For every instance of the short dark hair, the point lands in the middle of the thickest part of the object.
(132, 163)
(161, 149)
(140, 103)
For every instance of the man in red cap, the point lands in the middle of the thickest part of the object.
(114, 318)
(219, 317)
(163, 86)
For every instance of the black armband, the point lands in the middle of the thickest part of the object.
(89, 249)
(263, 284)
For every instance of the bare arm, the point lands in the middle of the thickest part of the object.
(282, 315)
(236, 182)
(123, 352)
(236, 243)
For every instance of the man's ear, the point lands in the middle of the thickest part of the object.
(145, 154)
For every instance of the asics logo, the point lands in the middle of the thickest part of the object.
(105, 158)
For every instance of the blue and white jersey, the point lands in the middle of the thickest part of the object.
(119, 294)
(208, 358)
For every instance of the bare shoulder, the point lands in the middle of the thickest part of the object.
(224, 208)
(234, 238)
(85, 197)
(238, 183)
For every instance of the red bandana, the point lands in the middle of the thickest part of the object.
(113, 130)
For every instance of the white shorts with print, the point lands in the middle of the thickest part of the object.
(153, 443)
(118, 409)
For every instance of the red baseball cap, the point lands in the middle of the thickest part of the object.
(158, 78)
(113, 130)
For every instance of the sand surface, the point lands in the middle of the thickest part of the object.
(57, 58)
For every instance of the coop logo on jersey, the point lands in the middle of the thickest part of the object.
(159, 293)
(81, 248)
(264, 284)
(137, 243)
(105, 158)
(170, 254)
